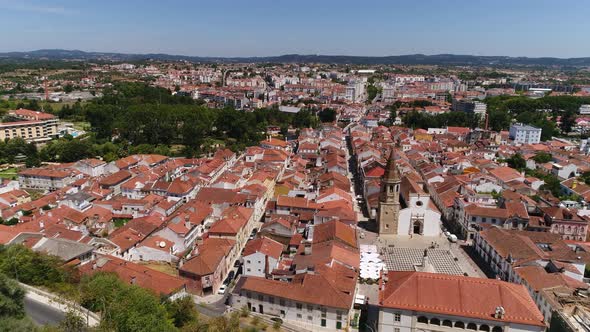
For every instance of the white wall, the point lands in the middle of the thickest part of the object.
(418, 205)
(290, 313)
(254, 264)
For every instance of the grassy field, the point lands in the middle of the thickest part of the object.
(9, 173)
(162, 267)
(120, 222)
(81, 125)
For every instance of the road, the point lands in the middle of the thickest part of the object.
(42, 314)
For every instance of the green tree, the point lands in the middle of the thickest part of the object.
(124, 307)
(33, 268)
(327, 115)
(552, 184)
(372, 92)
(516, 161)
(542, 157)
(72, 322)
(68, 88)
(182, 311)
(11, 298)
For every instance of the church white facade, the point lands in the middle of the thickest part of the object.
(404, 207)
(419, 216)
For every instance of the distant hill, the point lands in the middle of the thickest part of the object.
(411, 59)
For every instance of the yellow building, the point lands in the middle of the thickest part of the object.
(36, 127)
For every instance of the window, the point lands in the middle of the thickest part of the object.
(248, 261)
(299, 306)
(460, 325)
(260, 297)
(484, 219)
(473, 219)
(472, 326)
(397, 317)
(447, 323)
(282, 302)
(435, 321)
(299, 316)
(309, 317)
(324, 311)
(397, 329)
(271, 300)
(422, 320)
(323, 322)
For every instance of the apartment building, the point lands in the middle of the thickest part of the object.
(32, 126)
(45, 179)
(469, 106)
(525, 134)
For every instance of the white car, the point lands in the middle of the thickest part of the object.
(222, 290)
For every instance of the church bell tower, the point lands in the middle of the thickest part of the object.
(389, 206)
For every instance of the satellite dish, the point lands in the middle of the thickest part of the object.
(162, 244)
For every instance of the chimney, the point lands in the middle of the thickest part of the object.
(500, 312)
(187, 222)
(307, 248)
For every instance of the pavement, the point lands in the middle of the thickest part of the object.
(42, 313)
(47, 308)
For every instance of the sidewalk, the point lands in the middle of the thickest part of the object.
(61, 304)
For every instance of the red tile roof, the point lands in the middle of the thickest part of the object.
(159, 282)
(328, 286)
(264, 245)
(454, 295)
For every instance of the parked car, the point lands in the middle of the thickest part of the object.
(222, 289)
(253, 234)
(452, 238)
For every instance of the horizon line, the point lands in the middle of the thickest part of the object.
(286, 54)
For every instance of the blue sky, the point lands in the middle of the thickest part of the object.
(274, 27)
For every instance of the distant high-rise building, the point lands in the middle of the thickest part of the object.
(584, 109)
(469, 106)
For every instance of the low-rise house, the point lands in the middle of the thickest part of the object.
(566, 223)
(206, 270)
(261, 256)
(114, 181)
(318, 300)
(91, 167)
(236, 225)
(69, 251)
(160, 283)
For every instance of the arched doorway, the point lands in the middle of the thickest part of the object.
(417, 227)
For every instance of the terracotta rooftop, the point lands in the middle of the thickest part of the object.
(454, 295)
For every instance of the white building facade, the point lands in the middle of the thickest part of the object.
(525, 134)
